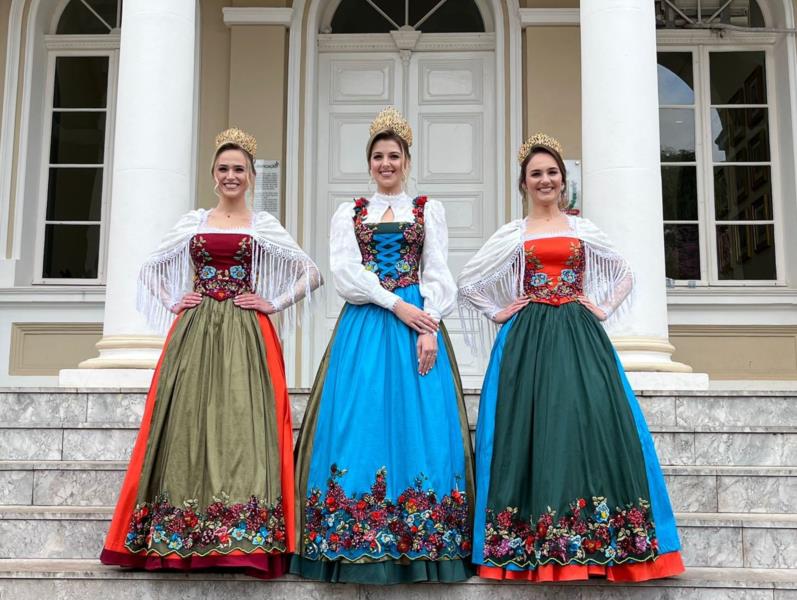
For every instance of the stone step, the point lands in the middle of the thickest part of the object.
(743, 541)
(88, 579)
(709, 445)
(692, 489)
(693, 410)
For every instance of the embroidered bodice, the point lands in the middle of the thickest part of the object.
(554, 269)
(222, 264)
(358, 285)
(391, 250)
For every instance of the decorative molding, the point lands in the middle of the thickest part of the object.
(83, 42)
(26, 296)
(550, 17)
(8, 122)
(733, 330)
(384, 42)
(732, 296)
(257, 16)
(713, 36)
(21, 363)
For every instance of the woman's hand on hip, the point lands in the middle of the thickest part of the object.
(427, 352)
(593, 308)
(254, 302)
(502, 316)
(190, 300)
(414, 318)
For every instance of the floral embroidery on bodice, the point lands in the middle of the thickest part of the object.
(222, 264)
(391, 250)
(554, 270)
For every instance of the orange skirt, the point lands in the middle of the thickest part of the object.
(665, 565)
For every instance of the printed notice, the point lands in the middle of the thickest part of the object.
(267, 186)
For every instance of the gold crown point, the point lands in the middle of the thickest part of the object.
(390, 119)
(236, 136)
(539, 140)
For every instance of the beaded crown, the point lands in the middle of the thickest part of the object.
(390, 119)
(539, 139)
(239, 138)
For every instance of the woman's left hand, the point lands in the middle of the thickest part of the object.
(427, 352)
(254, 302)
(592, 307)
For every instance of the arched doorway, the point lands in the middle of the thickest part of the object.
(447, 77)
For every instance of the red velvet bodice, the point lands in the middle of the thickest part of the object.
(222, 264)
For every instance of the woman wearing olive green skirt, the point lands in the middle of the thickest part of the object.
(210, 481)
(568, 485)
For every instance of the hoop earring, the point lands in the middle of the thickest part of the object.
(216, 191)
(371, 184)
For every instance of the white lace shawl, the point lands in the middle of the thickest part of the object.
(281, 272)
(359, 286)
(493, 278)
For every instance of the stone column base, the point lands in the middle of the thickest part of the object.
(648, 355)
(660, 381)
(105, 378)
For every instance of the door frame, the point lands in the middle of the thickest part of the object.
(301, 130)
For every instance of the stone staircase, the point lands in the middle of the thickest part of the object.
(730, 459)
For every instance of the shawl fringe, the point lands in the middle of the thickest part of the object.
(501, 287)
(282, 274)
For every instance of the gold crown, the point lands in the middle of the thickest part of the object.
(539, 139)
(390, 119)
(239, 138)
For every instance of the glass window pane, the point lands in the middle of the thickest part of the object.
(738, 78)
(81, 82)
(71, 251)
(677, 131)
(453, 16)
(74, 194)
(682, 251)
(679, 193)
(740, 13)
(357, 16)
(78, 138)
(676, 85)
(77, 18)
(742, 193)
(746, 252)
(740, 134)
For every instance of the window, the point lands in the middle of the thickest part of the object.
(717, 189)
(76, 169)
(682, 14)
(429, 16)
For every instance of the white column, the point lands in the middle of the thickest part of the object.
(152, 167)
(621, 171)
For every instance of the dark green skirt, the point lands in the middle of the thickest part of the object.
(567, 476)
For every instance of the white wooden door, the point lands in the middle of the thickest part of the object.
(449, 99)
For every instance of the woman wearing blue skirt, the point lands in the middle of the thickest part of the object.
(384, 461)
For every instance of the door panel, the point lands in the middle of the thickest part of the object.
(451, 109)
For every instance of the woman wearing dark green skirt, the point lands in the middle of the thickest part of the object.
(210, 481)
(568, 482)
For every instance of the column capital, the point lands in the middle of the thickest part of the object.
(234, 15)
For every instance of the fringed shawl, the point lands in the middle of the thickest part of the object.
(281, 272)
(493, 278)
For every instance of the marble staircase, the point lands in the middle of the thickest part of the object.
(730, 459)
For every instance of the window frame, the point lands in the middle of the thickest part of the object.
(77, 46)
(700, 44)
